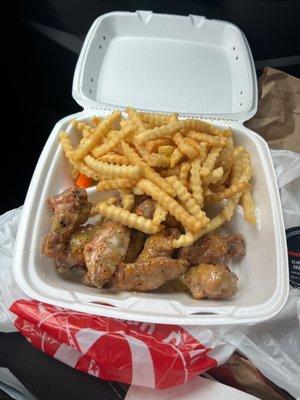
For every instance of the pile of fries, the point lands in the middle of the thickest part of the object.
(183, 165)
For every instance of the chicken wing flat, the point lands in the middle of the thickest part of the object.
(212, 248)
(159, 245)
(212, 281)
(105, 250)
(154, 266)
(71, 209)
(73, 256)
(148, 274)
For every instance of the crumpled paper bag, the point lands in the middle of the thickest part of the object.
(278, 116)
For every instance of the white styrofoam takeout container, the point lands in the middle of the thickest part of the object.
(164, 63)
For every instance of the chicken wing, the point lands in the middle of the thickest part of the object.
(159, 245)
(212, 248)
(105, 251)
(212, 281)
(149, 274)
(73, 256)
(154, 266)
(71, 209)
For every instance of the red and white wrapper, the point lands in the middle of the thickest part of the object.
(144, 354)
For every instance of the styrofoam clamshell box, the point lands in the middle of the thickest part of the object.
(163, 63)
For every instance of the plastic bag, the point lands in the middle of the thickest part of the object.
(274, 346)
(287, 168)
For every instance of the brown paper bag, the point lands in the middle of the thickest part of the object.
(278, 115)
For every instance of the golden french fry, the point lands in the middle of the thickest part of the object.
(118, 150)
(87, 171)
(203, 152)
(213, 177)
(159, 160)
(228, 192)
(114, 159)
(159, 214)
(153, 145)
(110, 201)
(168, 203)
(122, 183)
(165, 150)
(248, 207)
(142, 150)
(196, 182)
(137, 191)
(201, 126)
(210, 161)
(160, 132)
(211, 140)
(227, 133)
(96, 120)
(170, 171)
(184, 146)
(175, 157)
(83, 127)
(230, 207)
(194, 144)
(135, 117)
(127, 218)
(127, 199)
(228, 155)
(184, 172)
(189, 238)
(100, 132)
(246, 167)
(66, 145)
(241, 170)
(236, 177)
(155, 120)
(188, 201)
(173, 118)
(220, 182)
(148, 171)
(85, 133)
(75, 173)
(184, 240)
(120, 171)
(111, 143)
(69, 150)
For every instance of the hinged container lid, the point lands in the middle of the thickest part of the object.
(166, 63)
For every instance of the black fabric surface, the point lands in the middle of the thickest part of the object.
(49, 379)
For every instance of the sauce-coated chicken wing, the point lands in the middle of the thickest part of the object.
(154, 266)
